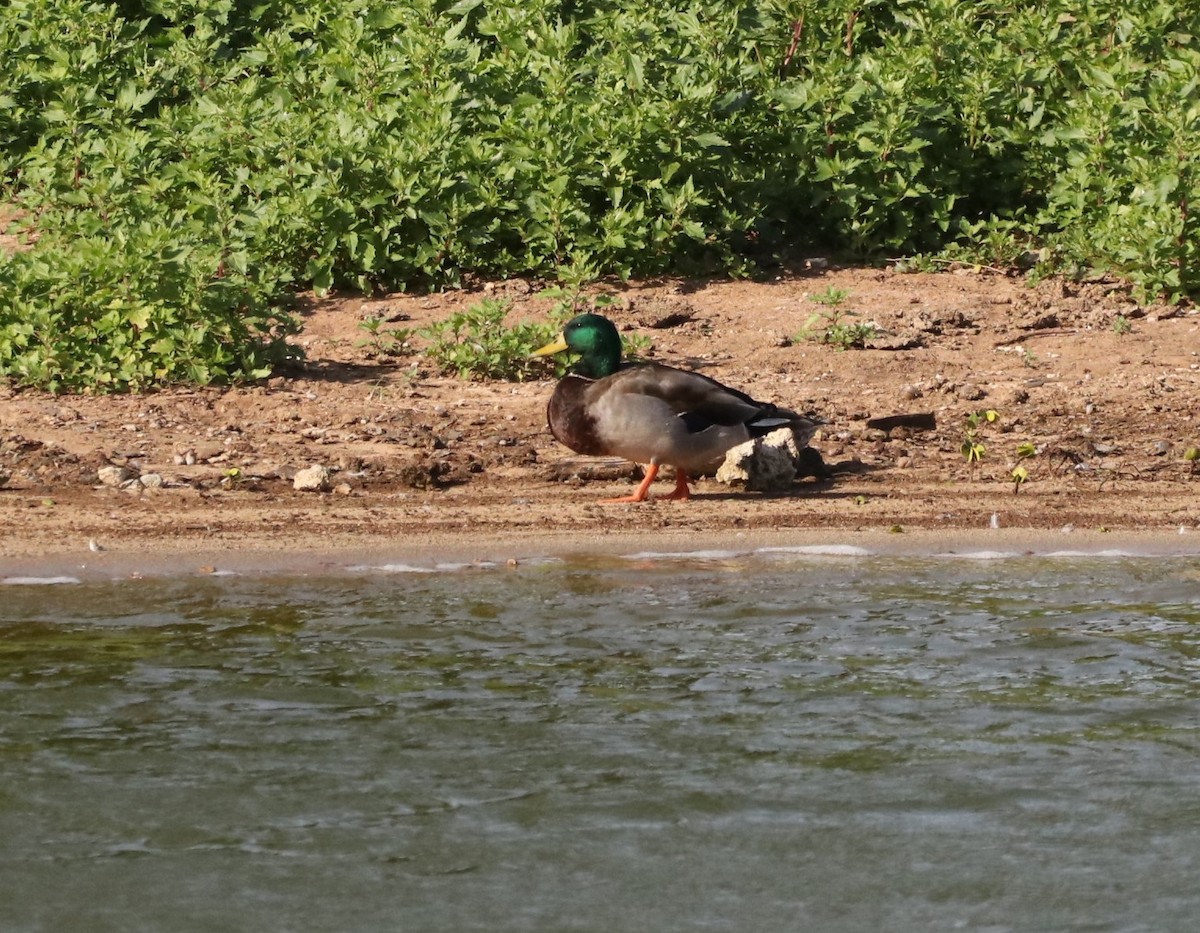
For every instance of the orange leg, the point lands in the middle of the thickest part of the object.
(681, 490)
(639, 494)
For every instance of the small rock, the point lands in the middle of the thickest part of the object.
(1044, 321)
(313, 478)
(152, 480)
(970, 392)
(115, 475)
(764, 464)
(206, 452)
(911, 392)
(908, 340)
(1161, 449)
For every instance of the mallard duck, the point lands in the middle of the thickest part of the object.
(650, 413)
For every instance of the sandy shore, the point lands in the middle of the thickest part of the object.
(425, 467)
(456, 552)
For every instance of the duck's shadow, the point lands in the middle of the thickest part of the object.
(821, 490)
(824, 486)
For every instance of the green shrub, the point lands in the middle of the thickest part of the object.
(142, 307)
(385, 145)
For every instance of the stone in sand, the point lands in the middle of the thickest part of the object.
(764, 464)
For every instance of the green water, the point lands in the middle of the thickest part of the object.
(771, 742)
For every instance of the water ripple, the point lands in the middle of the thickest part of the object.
(730, 740)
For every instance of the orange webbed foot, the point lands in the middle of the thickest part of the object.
(681, 492)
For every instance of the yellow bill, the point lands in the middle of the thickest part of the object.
(556, 346)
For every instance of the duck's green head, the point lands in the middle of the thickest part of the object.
(595, 339)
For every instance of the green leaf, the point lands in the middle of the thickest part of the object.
(791, 96)
(634, 70)
(388, 16)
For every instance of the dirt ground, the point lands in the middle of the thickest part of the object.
(1105, 389)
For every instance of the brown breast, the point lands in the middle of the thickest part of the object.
(569, 420)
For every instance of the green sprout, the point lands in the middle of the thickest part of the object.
(973, 449)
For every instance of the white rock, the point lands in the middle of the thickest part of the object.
(115, 475)
(152, 480)
(764, 464)
(313, 478)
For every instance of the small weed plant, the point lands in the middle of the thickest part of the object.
(1020, 472)
(478, 343)
(973, 449)
(381, 342)
(832, 297)
(833, 325)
